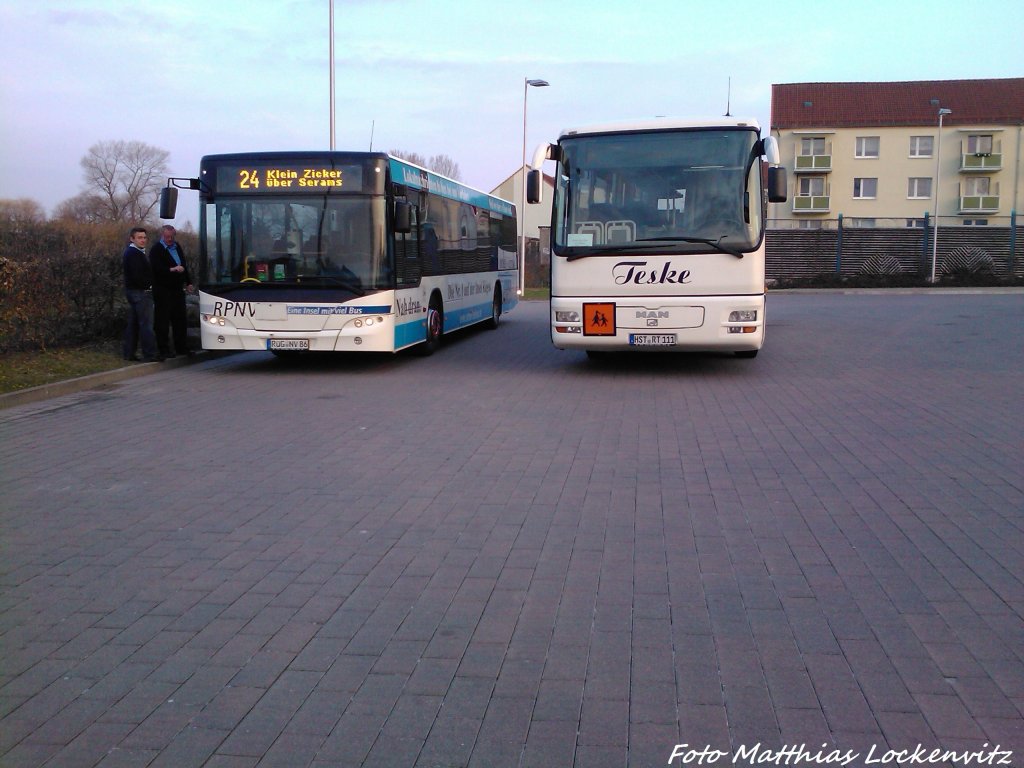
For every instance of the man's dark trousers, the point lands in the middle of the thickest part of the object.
(168, 315)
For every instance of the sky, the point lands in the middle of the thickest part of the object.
(197, 77)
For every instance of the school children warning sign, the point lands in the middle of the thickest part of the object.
(599, 319)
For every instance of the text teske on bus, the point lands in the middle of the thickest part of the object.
(657, 234)
(344, 251)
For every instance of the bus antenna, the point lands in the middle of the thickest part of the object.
(728, 98)
(373, 124)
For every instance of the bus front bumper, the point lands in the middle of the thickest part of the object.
(362, 334)
(698, 324)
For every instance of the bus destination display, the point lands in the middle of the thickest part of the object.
(289, 178)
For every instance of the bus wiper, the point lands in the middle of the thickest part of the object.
(716, 244)
(608, 251)
(653, 243)
(353, 286)
(347, 283)
(228, 287)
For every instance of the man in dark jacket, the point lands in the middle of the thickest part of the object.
(170, 281)
(138, 282)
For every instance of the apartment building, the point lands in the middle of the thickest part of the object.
(874, 152)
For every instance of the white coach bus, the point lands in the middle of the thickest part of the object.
(344, 251)
(657, 234)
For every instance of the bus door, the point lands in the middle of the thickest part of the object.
(408, 253)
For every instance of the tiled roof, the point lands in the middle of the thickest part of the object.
(823, 105)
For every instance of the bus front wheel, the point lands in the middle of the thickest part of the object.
(495, 309)
(435, 328)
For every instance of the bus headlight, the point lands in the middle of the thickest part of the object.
(214, 320)
(567, 316)
(743, 316)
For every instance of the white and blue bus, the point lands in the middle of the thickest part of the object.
(344, 251)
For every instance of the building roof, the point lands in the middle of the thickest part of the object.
(839, 105)
(548, 178)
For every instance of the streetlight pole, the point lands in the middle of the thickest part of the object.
(331, 57)
(522, 208)
(938, 170)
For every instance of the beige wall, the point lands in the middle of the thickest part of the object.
(535, 216)
(894, 166)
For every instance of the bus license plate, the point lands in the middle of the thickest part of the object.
(288, 344)
(652, 339)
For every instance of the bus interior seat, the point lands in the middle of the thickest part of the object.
(620, 231)
(595, 228)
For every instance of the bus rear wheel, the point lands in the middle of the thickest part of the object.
(747, 353)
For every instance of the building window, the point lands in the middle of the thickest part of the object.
(915, 223)
(865, 188)
(812, 146)
(977, 186)
(867, 146)
(859, 222)
(979, 144)
(809, 224)
(975, 222)
(812, 186)
(919, 187)
(921, 146)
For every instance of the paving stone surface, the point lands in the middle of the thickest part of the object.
(506, 555)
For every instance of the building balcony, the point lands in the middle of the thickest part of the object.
(811, 204)
(812, 164)
(979, 204)
(981, 162)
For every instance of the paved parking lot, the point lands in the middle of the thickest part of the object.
(506, 555)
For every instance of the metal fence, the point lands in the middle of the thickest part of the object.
(848, 247)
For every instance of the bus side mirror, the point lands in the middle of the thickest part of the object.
(534, 188)
(777, 185)
(403, 217)
(168, 202)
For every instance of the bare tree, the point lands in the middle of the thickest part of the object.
(441, 164)
(87, 207)
(413, 157)
(122, 181)
(445, 166)
(21, 212)
(22, 229)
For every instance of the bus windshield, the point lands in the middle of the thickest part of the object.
(309, 241)
(678, 191)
